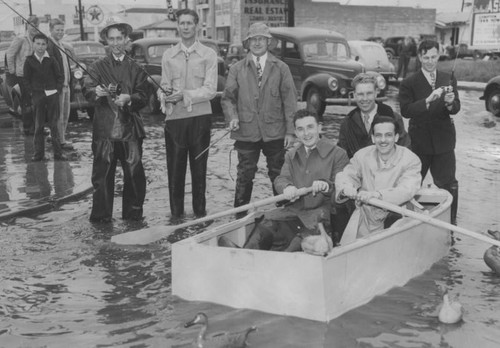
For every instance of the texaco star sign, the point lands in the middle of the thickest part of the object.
(94, 15)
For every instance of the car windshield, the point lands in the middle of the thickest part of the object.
(321, 49)
(89, 49)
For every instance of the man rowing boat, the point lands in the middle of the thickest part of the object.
(385, 171)
(314, 162)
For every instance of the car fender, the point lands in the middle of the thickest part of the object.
(320, 80)
(492, 84)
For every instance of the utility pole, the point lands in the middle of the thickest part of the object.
(291, 13)
(31, 9)
(213, 22)
(80, 18)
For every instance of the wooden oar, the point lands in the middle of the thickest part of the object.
(430, 220)
(153, 234)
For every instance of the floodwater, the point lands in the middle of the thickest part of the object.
(65, 285)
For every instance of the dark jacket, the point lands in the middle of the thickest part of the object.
(42, 76)
(353, 135)
(431, 130)
(111, 122)
(56, 53)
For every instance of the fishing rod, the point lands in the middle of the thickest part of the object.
(452, 77)
(111, 89)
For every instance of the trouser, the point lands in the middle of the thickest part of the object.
(106, 155)
(184, 138)
(276, 235)
(64, 109)
(248, 157)
(46, 109)
(403, 62)
(443, 168)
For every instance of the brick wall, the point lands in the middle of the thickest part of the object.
(361, 22)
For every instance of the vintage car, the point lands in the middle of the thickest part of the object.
(321, 64)
(86, 52)
(373, 57)
(491, 96)
(149, 52)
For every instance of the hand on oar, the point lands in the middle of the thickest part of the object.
(428, 219)
(153, 234)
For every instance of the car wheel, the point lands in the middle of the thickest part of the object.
(390, 54)
(477, 55)
(315, 102)
(493, 102)
(153, 104)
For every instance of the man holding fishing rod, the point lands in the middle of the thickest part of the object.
(428, 98)
(188, 83)
(118, 90)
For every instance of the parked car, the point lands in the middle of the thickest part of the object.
(491, 96)
(86, 52)
(321, 65)
(149, 52)
(391, 45)
(373, 57)
(376, 39)
(463, 51)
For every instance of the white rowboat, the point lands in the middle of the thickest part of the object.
(307, 286)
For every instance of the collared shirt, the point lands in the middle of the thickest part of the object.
(428, 76)
(262, 60)
(371, 114)
(120, 59)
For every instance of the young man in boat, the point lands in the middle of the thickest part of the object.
(385, 171)
(315, 162)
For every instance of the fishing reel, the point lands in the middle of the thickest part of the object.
(447, 89)
(114, 90)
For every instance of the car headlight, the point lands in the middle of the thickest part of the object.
(381, 83)
(78, 74)
(333, 83)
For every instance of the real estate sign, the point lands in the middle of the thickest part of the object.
(486, 30)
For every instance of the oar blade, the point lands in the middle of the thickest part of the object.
(144, 236)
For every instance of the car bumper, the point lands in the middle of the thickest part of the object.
(348, 101)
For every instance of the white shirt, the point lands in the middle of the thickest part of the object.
(428, 76)
(118, 58)
(262, 60)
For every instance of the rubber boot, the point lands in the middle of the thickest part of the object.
(453, 190)
(242, 196)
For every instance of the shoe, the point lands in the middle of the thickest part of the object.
(60, 158)
(38, 158)
(101, 219)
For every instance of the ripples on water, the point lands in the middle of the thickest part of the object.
(64, 285)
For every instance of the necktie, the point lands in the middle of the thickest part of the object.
(259, 71)
(366, 121)
(433, 80)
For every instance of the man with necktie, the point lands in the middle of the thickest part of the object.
(259, 102)
(428, 98)
(118, 89)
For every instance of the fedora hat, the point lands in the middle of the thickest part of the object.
(115, 22)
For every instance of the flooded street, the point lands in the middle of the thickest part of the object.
(65, 285)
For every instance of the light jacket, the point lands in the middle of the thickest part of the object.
(195, 75)
(16, 54)
(265, 112)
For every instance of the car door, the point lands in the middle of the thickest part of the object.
(292, 57)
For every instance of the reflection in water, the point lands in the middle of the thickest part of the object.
(63, 179)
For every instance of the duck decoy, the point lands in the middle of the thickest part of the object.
(218, 339)
(492, 255)
(451, 311)
(320, 244)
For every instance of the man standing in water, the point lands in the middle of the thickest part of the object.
(189, 76)
(118, 93)
(428, 98)
(259, 102)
